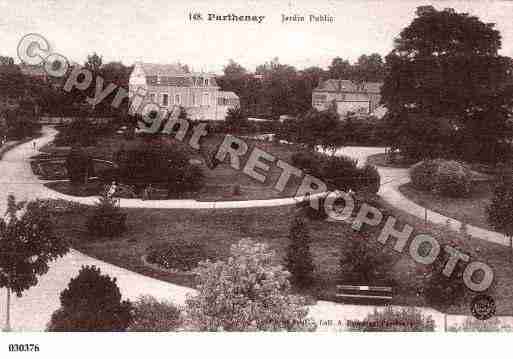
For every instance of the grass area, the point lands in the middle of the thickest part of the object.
(218, 229)
(219, 182)
(471, 210)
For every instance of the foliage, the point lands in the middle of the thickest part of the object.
(447, 178)
(79, 132)
(160, 166)
(79, 165)
(299, 260)
(178, 255)
(369, 179)
(340, 172)
(307, 161)
(361, 263)
(91, 303)
(27, 244)
(448, 90)
(500, 211)
(107, 219)
(247, 292)
(315, 128)
(452, 179)
(394, 320)
(151, 315)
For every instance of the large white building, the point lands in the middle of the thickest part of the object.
(173, 85)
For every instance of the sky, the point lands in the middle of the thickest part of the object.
(160, 31)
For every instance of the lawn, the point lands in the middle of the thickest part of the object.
(471, 210)
(220, 228)
(219, 182)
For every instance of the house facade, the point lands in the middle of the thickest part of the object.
(347, 96)
(173, 85)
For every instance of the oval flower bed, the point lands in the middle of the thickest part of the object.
(177, 256)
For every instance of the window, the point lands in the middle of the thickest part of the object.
(193, 99)
(152, 97)
(205, 99)
(177, 99)
(165, 99)
(206, 82)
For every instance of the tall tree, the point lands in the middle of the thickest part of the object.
(369, 68)
(27, 244)
(340, 69)
(445, 65)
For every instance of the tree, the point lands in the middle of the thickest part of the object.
(91, 303)
(445, 65)
(247, 292)
(299, 260)
(360, 262)
(27, 245)
(234, 70)
(369, 68)
(319, 128)
(500, 211)
(78, 165)
(340, 69)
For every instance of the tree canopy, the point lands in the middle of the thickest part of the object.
(445, 67)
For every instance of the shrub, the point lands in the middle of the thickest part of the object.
(91, 303)
(447, 178)
(151, 315)
(299, 260)
(423, 175)
(248, 292)
(178, 255)
(107, 219)
(369, 179)
(362, 263)
(79, 165)
(394, 320)
(307, 161)
(452, 179)
(340, 172)
(500, 211)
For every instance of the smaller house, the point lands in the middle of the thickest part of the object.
(347, 96)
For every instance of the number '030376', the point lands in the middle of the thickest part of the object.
(23, 347)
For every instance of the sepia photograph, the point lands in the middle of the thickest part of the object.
(308, 168)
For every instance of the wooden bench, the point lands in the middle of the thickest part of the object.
(355, 292)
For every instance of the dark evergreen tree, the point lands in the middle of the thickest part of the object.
(299, 260)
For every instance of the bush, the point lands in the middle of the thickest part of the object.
(361, 263)
(307, 161)
(183, 256)
(299, 260)
(248, 292)
(151, 315)
(369, 179)
(447, 178)
(79, 165)
(107, 219)
(452, 179)
(91, 303)
(423, 175)
(340, 172)
(394, 320)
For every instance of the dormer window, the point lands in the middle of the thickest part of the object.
(206, 82)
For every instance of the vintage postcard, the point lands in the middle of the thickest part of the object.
(255, 166)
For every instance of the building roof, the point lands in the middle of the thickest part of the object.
(333, 85)
(227, 94)
(163, 70)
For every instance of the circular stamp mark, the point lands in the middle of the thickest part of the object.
(483, 307)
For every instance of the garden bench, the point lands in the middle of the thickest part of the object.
(382, 293)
